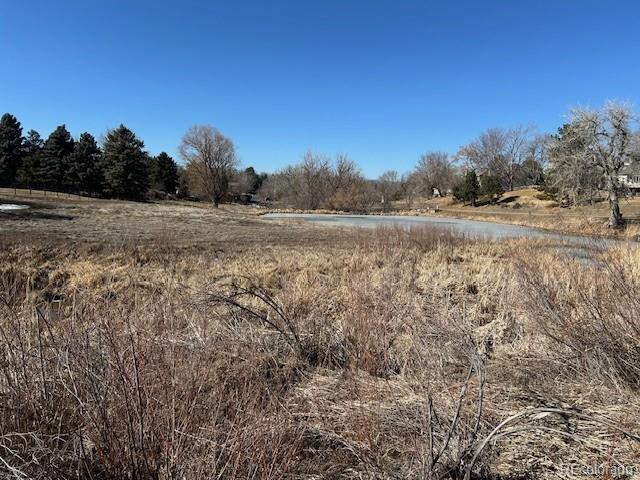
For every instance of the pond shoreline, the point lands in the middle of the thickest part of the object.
(480, 229)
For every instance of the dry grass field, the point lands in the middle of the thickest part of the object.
(529, 206)
(176, 341)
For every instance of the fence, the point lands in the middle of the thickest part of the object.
(34, 193)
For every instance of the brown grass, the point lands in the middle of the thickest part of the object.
(289, 352)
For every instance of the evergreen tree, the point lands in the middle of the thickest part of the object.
(491, 187)
(10, 148)
(85, 165)
(30, 171)
(467, 190)
(125, 164)
(164, 173)
(254, 181)
(54, 164)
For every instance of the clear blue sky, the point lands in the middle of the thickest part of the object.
(382, 81)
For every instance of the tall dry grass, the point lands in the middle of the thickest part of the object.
(590, 315)
(392, 355)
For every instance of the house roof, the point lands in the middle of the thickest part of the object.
(633, 168)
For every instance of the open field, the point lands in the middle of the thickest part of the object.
(174, 340)
(112, 222)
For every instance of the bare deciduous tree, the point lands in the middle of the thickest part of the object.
(607, 138)
(485, 150)
(388, 186)
(349, 191)
(317, 182)
(310, 180)
(536, 161)
(570, 176)
(435, 171)
(518, 141)
(500, 152)
(210, 159)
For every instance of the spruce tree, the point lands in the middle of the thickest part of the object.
(491, 187)
(29, 173)
(468, 188)
(85, 166)
(471, 187)
(54, 164)
(10, 148)
(164, 173)
(125, 164)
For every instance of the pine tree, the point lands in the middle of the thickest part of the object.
(468, 188)
(471, 187)
(29, 173)
(125, 164)
(491, 187)
(85, 166)
(55, 159)
(164, 173)
(10, 148)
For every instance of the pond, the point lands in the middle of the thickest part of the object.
(469, 228)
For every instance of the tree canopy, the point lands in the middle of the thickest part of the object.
(164, 173)
(85, 166)
(125, 164)
(54, 162)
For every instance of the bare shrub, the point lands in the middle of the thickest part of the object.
(591, 315)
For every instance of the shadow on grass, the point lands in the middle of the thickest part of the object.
(32, 215)
(509, 199)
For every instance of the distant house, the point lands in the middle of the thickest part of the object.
(629, 176)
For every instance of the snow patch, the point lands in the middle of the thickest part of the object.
(12, 206)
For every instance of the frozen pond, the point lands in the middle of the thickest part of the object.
(12, 206)
(469, 228)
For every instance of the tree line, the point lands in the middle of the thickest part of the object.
(118, 167)
(577, 164)
(580, 163)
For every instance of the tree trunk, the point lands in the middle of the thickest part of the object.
(615, 217)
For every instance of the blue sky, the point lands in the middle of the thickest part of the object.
(383, 81)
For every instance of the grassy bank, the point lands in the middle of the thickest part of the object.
(531, 207)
